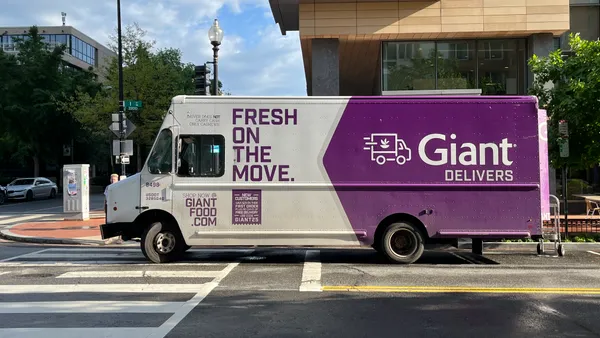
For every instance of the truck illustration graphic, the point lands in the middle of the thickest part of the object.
(387, 147)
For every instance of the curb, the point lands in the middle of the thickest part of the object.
(6, 234)
(548, 246)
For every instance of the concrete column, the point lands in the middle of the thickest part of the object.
(325, 67)
(541, 45)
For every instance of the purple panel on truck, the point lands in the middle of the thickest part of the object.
(462, 166)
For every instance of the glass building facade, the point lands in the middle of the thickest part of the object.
(497, 67)
(75, 47)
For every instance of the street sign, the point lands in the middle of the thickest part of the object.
(127, 147)
(132, 105)
(563, 141)
(129, 127)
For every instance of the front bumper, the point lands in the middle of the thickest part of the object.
(109, 230)
(16, 195)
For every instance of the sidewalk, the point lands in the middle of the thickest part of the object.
(60, 232)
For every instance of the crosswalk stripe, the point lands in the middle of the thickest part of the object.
(99, 288)
(140, 274)
(34, 264)
(90, 307)
(100, 332)
(24, 218)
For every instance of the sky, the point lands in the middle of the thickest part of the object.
(254, 58)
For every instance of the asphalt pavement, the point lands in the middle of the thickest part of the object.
(68, 291)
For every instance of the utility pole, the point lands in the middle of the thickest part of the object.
(121, 99)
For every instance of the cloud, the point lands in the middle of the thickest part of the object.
(254, 58)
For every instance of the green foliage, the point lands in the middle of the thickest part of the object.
(574, 97)
(34, 82)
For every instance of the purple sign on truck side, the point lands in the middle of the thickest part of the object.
(462, 166)
(246, 207)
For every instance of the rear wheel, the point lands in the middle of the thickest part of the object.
(161, 243)
(402, 243)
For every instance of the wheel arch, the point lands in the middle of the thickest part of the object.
(148, 217)
(399, 217)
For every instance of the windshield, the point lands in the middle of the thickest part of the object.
(22, 182)
(160, 159)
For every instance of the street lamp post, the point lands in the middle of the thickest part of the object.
(121, 107)
(215, 35)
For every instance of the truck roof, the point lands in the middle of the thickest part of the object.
(179, 99)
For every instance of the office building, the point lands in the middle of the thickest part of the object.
(82, 51)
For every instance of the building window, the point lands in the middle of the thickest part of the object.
(409, 66)
(494, 66)
(456, 65)
(83, 51)
(202, 156)
(503, 72)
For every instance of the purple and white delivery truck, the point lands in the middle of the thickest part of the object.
(393, 173)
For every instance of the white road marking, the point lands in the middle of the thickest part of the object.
(92, 263)
(24, 218)
(311, 274)
(90, 307)
(595, 253)
(24, 255)
(4, 273)
(99, 288)
(140, 274)
(184, 310)
(100, 332)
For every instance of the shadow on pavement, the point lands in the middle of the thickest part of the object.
(330, 314)
(332, 256)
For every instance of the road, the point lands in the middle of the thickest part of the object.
(39, 210)
(90, 292)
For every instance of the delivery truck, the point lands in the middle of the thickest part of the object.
(391, 173)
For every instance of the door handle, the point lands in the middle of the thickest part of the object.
(143, 208)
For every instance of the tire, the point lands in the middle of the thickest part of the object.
(52, 194)
(540, 249)
(29, 196)
(411, 234)
(2, 197)
(172, 243)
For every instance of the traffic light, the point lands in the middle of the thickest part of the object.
(201, 80)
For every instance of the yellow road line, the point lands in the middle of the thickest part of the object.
(462, 289)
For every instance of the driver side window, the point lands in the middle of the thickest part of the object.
(161, 158)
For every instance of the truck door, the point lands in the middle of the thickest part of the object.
(156, 178)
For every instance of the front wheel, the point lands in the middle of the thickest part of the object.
(402, 243)
(162, 244)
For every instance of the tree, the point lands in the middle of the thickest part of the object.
(37, 81)
(153, 77)
(569, 89)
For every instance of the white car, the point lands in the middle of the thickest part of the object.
(31, 188)
(2, 194)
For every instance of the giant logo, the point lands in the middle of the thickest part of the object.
(390, 147)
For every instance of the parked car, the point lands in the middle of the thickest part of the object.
(2, 195)
(31, 188)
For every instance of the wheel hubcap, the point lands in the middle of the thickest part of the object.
(165, 242)
(403, 243)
